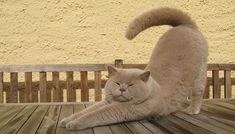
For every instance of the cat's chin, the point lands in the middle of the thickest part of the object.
(122, 98)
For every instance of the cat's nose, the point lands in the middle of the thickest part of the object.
(122, 89)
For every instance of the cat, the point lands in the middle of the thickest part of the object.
(176, 70)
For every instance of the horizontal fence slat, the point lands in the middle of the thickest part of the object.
(14, 88)
(28, 87)
(53, 68)
(1, 87)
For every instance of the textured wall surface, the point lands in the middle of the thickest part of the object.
(91, 31)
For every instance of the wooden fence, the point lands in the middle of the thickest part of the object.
(27, 92)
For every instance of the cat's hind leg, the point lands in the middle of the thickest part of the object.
(197, 93)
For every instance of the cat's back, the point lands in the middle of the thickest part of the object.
(179, 51)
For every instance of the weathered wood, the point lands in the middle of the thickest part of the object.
(66, 110)
(118, 63)
(98, 92)
(153, 128)
(53, 68)
(120, 129)
(43, 88)
(227, 84)
(18, 121)
(207, 91)
(9, 114)
(71, 94)
(1, 87)
(202, 124)
(137, 128)
(102, 130)
(34, 121)
(14, 88)
(215, 81)
(57, 91)
(49, 123)
(28, 87)
(84, 86)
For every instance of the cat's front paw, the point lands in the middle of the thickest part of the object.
(192, 111)
(74, 125)
(64, 121)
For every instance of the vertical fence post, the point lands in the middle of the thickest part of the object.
(227, 84)
(1, 87)
(84, 86)
(28, 87)
(216, 84)
(207, 91)
(14, 87)
(98, 92)
(70, 90)
(118, 63)
(57, 92)
(42, 86)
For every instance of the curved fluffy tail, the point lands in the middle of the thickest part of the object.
(156, 17)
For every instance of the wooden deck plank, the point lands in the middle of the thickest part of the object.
(9, 113)
(49, 123)
(15, 123)
(137, 128)
(153, 128)
(66, 110)
(201, 124)
(78, 108)
(170, 126)
(213, 122)
(120, 129)
(32, 124)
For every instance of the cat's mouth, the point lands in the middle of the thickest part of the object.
(122, 98)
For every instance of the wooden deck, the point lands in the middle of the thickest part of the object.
(217, 116)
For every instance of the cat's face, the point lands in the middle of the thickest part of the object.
(127, 85)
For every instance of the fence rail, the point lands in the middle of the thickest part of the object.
(28, 91)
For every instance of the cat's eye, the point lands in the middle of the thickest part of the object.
(117, 83)
(129, 85)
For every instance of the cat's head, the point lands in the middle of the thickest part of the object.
(127, 85)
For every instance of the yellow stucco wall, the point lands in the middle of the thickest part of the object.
(92, 31)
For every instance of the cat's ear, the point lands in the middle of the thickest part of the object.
(111, 70)
(144, 76)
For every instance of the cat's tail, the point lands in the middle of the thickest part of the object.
(156, 17)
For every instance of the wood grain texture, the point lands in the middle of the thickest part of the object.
(215, 81)
(84, 86)
(1, 87)
(34, 121)
(43, 87)
(57, 91)
(28, 87)
(13, 96)
(18, 121)
(98, 92)
(227, 84)
(49, 123)
(71, 94)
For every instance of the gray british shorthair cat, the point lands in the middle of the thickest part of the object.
(176, 70)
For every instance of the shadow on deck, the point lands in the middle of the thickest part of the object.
(217, 116)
